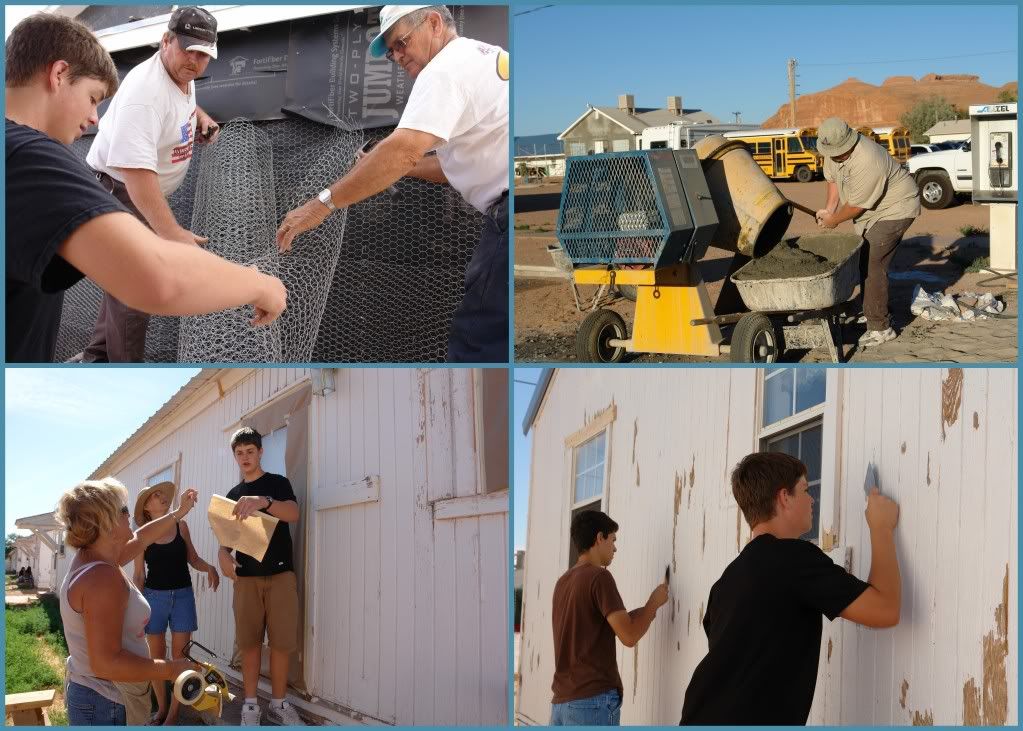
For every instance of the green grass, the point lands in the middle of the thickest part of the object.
(27, 627)
(971, 230)
(981, 262)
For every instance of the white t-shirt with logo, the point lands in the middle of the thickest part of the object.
(461, 96)
(150, 124)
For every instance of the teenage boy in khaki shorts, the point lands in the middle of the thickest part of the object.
(265, 592)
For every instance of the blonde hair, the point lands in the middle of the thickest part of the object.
(90, 509)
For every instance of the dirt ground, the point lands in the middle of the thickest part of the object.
(934, 253)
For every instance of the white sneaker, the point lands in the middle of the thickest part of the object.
(250, 715)
(286, 715)
(876, 337)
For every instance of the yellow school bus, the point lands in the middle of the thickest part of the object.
(783, 154)
(893, 139)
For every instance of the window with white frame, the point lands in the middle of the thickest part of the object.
(165, 474)
(589, 473)
(792, 415)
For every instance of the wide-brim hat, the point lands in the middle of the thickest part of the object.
(835, 137)
(168, 488)
(389, 15)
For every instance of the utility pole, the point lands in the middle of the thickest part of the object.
(738, 117)
(792, 92)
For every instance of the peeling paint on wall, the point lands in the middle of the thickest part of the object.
(829, 540)
(902, 695)
(928, 468)
(700, 617)
(637, 475)
(903, 447)
(829, 649)
(976, 420)
(927, 719)
(951, 398)
(989, 705)
(679, 484)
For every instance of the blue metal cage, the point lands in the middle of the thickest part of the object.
(648, 207)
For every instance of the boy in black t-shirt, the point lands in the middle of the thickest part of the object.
(62, 225)
(763, 619)
(265, 592)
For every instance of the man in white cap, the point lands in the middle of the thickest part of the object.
(867, 186)
(141, 154)
(459, 108)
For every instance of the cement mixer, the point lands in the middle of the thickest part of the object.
(644, 219)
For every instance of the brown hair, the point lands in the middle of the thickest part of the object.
(90, 509)
(42, 39)
(757, 479)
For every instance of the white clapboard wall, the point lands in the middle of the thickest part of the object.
(944, 445)
(406, 568)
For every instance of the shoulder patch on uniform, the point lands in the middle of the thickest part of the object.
(503, 65)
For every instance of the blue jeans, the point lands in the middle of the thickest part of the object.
(86, 707)
(479, 327)
(599, 710)
(171, 607)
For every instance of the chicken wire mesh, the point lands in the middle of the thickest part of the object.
(378, 283)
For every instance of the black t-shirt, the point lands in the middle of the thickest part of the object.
(277, 558)
(50, 193)
(763, 627)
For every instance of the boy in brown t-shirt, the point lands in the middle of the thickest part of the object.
(588, 613)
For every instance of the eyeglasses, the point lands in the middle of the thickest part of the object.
(402, 43)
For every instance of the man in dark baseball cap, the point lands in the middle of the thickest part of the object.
(196, 30)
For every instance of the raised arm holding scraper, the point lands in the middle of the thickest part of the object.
(459, 108)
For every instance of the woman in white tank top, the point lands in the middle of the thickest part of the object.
(104, 615)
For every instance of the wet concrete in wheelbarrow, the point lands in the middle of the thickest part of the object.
(802, 256)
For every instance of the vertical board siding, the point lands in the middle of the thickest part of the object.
(406, 617)
(675, 438)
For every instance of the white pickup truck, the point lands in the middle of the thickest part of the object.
(943, 175)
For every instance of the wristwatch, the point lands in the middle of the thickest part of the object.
(269, 501)
(325, 198)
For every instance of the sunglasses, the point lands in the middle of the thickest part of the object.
(402, 43)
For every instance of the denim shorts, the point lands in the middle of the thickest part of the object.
(86, 707)
(171, 607)
(599, 710)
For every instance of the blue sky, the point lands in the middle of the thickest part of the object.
(524, 378)
(727, 58)
(61, 423)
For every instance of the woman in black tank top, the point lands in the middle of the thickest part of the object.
(162, 575)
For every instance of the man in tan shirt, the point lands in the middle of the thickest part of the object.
(588, 612)
(869, 187)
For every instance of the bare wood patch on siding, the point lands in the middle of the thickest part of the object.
(829, 540)
(926, 719)
(902, 695)
(692, 476)
(679, 484)
(928, 468)
(903, 447)
(951, 398)
(699, 620)
(829, 649)
(637, 475)
(678, 646)
(689, 620)
(976, 420)
(988, 705)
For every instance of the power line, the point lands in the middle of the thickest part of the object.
(534, 10)
(528, 383)
(907, 60)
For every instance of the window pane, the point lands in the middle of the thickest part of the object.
(273, 452)
(810, 452)
(788, 445)
(778, 396)
(810, 383)
(165, 475)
